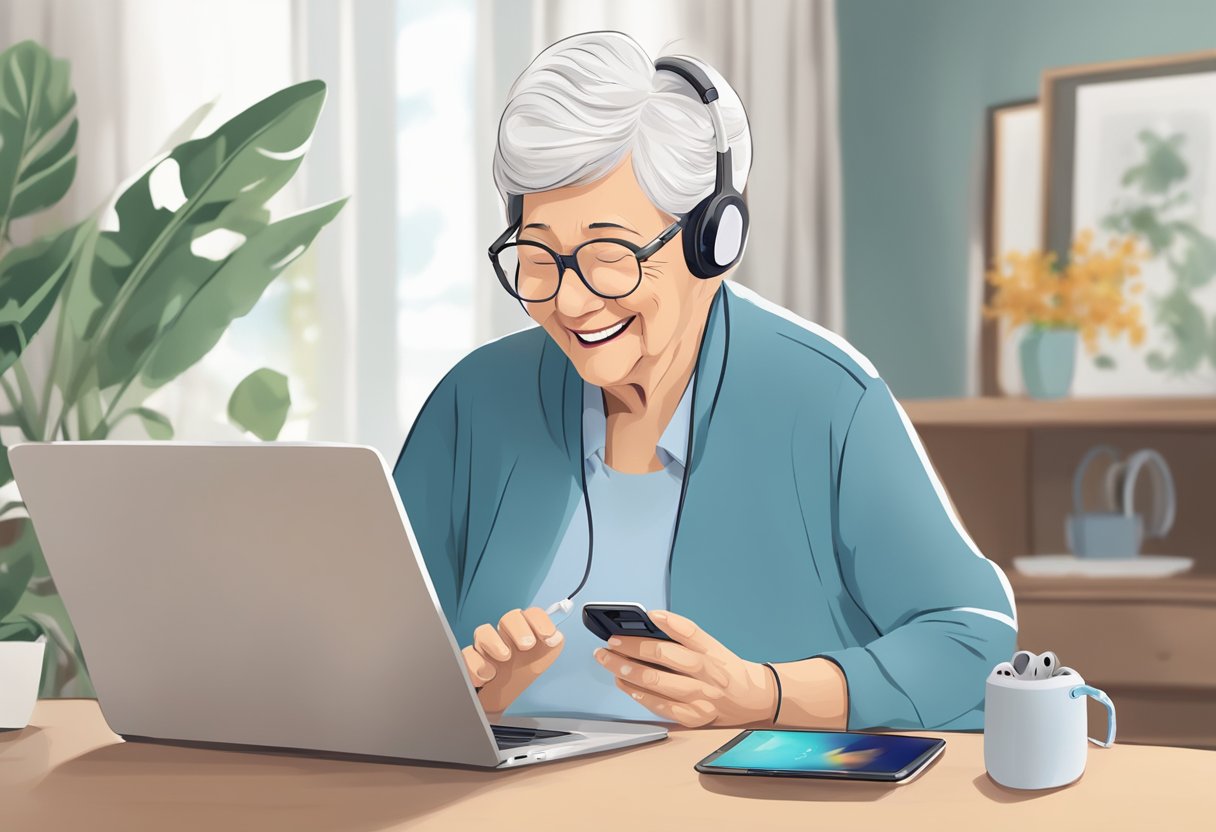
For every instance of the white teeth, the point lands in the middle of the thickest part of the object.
(601, 335)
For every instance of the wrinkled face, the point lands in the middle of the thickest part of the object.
(615, 341)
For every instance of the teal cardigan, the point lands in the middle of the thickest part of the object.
(811, 522)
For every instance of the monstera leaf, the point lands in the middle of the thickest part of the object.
(143, 291)
(31, 278)
(191, 218)
(230, 291)
(37, 131)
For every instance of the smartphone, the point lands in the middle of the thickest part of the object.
(840, 755)
(614, 618)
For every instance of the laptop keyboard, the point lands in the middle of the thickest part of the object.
(508, 736)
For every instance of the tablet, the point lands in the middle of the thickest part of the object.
(835, 754)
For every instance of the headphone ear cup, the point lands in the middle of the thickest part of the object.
(726, 226)
(715, 233)
(694, 227)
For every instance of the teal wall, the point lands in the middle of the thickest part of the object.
(915, 80)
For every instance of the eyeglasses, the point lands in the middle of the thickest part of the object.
(532, 272)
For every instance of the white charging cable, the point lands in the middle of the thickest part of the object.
(563, 606)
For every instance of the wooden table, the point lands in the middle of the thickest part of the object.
(68, 771)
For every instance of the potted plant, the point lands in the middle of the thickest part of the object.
(1057, 308)
(139, 291)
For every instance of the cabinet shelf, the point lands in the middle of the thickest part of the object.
(1025, 413)
(1187, 589)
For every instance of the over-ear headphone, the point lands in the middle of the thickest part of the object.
(715, 230)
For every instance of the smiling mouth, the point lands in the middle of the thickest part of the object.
(602, 336)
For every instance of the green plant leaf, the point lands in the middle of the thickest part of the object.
(156, 423)
(185, 131)
(1163, 164)
(42, 586)
(230, 292)
(1104, 362)
(1143, 221)
(62, 658)
(259, 404)
(31, 279)
(1187, 328)
(37, 131)
(22, 629)
(80, 302)
(1197, 265)
(179, 221)
(16, 569)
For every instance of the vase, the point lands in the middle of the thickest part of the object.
(1049, 357)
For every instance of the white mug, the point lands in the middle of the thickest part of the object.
(1035, 731)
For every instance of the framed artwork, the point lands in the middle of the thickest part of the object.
(1131, 149)
(1013, 223)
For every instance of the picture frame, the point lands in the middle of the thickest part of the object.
(1012, 222)
(1130, 149)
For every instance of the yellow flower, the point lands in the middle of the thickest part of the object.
(1091, 293)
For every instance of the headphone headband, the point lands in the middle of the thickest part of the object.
(695, 75)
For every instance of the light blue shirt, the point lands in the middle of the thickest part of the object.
(633, 517)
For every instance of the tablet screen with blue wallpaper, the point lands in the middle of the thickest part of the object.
(822, 751)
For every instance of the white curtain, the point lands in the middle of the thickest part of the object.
(351, 45)
(780, 56)
(139, 68)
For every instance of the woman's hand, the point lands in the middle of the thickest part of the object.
(695, 681)
(503, 661)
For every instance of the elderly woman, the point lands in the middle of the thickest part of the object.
(669, 438)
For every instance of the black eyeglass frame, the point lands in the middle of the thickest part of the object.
(570, 261)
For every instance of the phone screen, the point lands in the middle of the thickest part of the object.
(814, 751)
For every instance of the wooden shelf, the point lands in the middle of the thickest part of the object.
(1180, 589)
(999, 412)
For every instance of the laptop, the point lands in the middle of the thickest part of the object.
(268, 595)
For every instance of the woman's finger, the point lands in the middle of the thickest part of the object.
(693, 714)
(671, 686)
(490, 644)
(671, 655)
(542, 625)
(480, 670)
(514, 628)
(686, 632)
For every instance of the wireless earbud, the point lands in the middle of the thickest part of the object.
(1043, 666)
(1032, 666)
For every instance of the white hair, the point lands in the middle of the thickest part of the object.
(590, 100)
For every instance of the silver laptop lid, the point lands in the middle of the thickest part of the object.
(252, 593)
